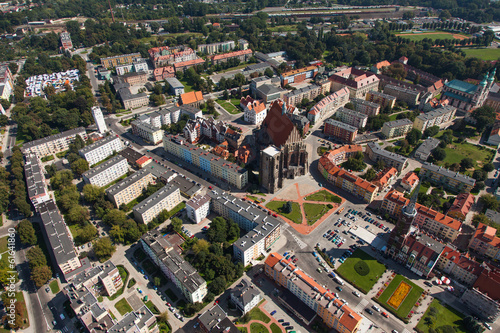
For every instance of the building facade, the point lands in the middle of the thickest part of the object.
(384, 100)
(295, 97)
(461, 206)
(245, 296)
(241, 55)
(377, 153)
(107, 172)
(54, 143)
(424, 151)
(396, 128)
(122, 59)
(130, 188)
(340, 130)
(152, 134)
(434, 118)
(99, 119)
(351, 117)
(328, 104)
(255, 111)
(298, 75)
(165, 198)
(450, 180)
(216, 47)
(198, 208)
(465, 96)
(357, 81)
(101, 149)
(409, 96)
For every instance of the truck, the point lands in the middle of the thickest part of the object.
(339, 281)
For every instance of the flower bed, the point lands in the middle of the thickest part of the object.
(399, 295)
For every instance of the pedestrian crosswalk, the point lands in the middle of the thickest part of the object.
(301, 244)
(406, 331)
(361, 305)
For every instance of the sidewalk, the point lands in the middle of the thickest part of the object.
(268, 325)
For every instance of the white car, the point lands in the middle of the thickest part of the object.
(487, 326)
(355, 293)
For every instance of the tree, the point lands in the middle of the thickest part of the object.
(79, 166)
(480, 218)
(489, 202)
(218, 285)
(350, 106)
(26, 232)
(269, 72)
(115, 217)
(176, 224)
(77, 214)
(103, 248)
(439, 154)
(431, 131)
(201, 245)
(479, 175)
(466, 163)
(484, 116)
(40, 275)
(87, 233)
(413, 136)
(488, 167)
(163, 317)
(92, 192)
(369, 175)
(380, 165)
(61, 179)
(287, 207)
(36, 257)
(157, 281)
(217, 233)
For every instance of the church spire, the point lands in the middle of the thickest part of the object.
(409, 210)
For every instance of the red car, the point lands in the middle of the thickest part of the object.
(381, 226)
(385, 314)
(340, 244)
(210, 187)
(274, 215)
(295, 260)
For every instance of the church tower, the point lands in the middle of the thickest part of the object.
(401, 230)
(482, 90)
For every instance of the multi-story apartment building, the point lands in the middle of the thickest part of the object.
(134, 78)
(485, 242)
(255, 110)
(107, 172)
(296, 96)
(208, 128)
(434, 118)
(357, 81)
(139, 321)
(385, 177)
(242, 56)
(396, 128)
(35, 180)
(99, 119)
(345, 180)
(450, 180)
(208, 162)
(340, 130)
(409, 96)
(132, 101)
(174, 267)
(216, 47)
(262, 229)
(410, 181)
(165, 198)
(54, 143)
(176, 87)
(122, 59)
(342, 154)
(152, 134)
(459, 267)
(351, 117)
(334, 312)
(131, 187)
(298, 75)
(161, 73)
(103, 279)
(198, 207)
(183, 65)
(216, 320)
(381, 99)
(138, 65)
(377, 153)
(461, 206)
(164, 55)
(101, 149)
(66, 42)
(245, 296)
(483, 299)
(6, 82)
(424, 151)
(328, 104)
(366, 107)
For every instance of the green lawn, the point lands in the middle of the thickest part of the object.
(393, 117)
(408, 303)
(283, 28)
(443, 315)
(482, 53)
(187, 87)
(368, 277)
(258, 328)
(3, 244)
(54, 287)
(243, 329)
(314, 212)
(421, 36)
(152, 307)
(275, 328)
(123, 307)
(295, 215)
(455, 152)
(323, 196)
(229, 106)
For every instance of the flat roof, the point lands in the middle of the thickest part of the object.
(427, 146)
(174, 83)
(123, 184)
(448, 173)
(198, 201)
(384, 153)
(398, 123)
(340, 124)
(139, 319)
(54, 137)
(130, 154)
(34, 176)
(98, 144)
(188, 187)
(154, 198)
(103, 166)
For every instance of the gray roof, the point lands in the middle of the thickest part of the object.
(135, 177)
(98, 144)
(302, 90)
(493, 215)
(244, 292)
(341, 125)
(398, 123)
(122, 55)
(258, 66)
(198, 201)
(126, 95)
(270, 89)
(187, 187)
(103, 166)
(436, 113)
(174, 83)
(402, 89)
(145, 126)
(54, 137)
(364, 102)
(384, 153)
(381, 94)
(101, 270)
(352, 112)
(154, 198)
(34, 176)
(139, 318)
(130, 154)
(427, 146)
(448, 173)
(211, 317)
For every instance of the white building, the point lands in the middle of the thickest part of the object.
(176, 87)
(101, 149)
(255, 111)
(245, 296)
(99, 120)
(198, 208)
(105, 173)
(351, 117)
(165, 198)
(139, 65)
(54, 143)
(148, 132)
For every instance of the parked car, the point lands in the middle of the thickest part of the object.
(273, 313)
(369, 311)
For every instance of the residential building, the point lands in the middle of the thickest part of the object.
(386, 80)
(132, 156)
(409, 96)
(138, 65)
(132, 101)
(384, 100)
(152, 134)
(209, 128)
(106, 172)
(298, 75)
(483, 299)
(176, 87)
(241, 55)
(161, 73)
(174, 267)
(424, 151)
(187, 187)
(432, 83)
(192, 98)
(266, 89)
(135, 78)
(449, 180)
(102, 279)
(485, 241)
(493, 215)
(131, 187)
(343, 153)
(379, 66)
(216, 47)
(340, 130)
(262, 229)
(192, 131)
(357, 81)
(208, 162)
(396, 128)
(459, 267)
(385, 177)
(66, 42)
(434, 118)
(101, 149)
(54, 143)
(494, 137)
(328, 104)
(99, 120)
(122, 59)
(215, 320)
(351, 117)
(410, 181)
(326, 86)
(164, 55)
(428, 104)
(366, 107)
(6, 81)
(461, 206)
(296, 96)
(377, 153)
(255, 111)
(301, 122)
(34, 174)
(245, 296)
(183, 65)
(307, 299)
(466, 96)
(140, 321)
(198, 207)
(165, 198)
(493, 100)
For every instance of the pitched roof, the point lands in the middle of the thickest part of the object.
(231, 54)
(384, 176)
(382, 64)
(277, 124)
(410, 178)
(488, 283)
(463, 202)
(298, 71)
(193, 62)
(338, 172)
(487, 235)
(191, 97)
(461, 86)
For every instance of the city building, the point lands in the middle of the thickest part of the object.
(466, 96)
(301, 122)
(307, 299)
(397, 128)
(461, 206)
(34, 174)
(366, 107)
(183, 65)
(208, 128)
(357, 81)
(106, 172)
(134, 78)
(66, 42)
(343, 153)
(131, 187)
(459, 267)
(100, 280)
(174, 267)
(434, 118)
(424, 151)
(6, 82)
(176, 87)
(309, 92)
(409, 96)
(165, 55)
(140, 321)
(493, 215)
(483, 299)
(54, 143)
(101, 149)
(328, 104)
(241, 55)
(298, 75)
(410, 181)
(385, 177)
(215, 320)
(122, 59)
(377, 153)
(99, 120)
(266, 89)
(351, 117)
(340, 130)
(216, 47)
(262, 229)
(165, 198)
(277, 129)
(150, 133)
(485, 241)
(379, 66)
(198, 207)
(192, 98)
(384, 100)
(138, 65)
(132, 156)
(245, 296)
(132, 101)
(208, 162)
(161, 73)
(448, 179)
(254, 110)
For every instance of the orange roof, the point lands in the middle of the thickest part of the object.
(298, 71)
(273, 259)
(463, 202)
(193, 62)
(143, 160)
(191, 97)
(410, 178)
(337, 172)
(382, 64)
(343, 150)
(231, 54)
(487, 235)
(216, 24)
(384, 176)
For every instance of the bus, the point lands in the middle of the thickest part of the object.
(340, 210)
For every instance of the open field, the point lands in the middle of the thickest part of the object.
(455, 152)
(432, 35)
(323, 196)
(441, 316)
(482, 53)
(314, 212)
(361, 270)
(123, 307)
(295, 215)
(229, 106)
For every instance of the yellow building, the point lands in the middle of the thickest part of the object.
(122, 59)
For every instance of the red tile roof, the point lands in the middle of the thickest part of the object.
(277, 124)
(384, 176)
(231, 54)
(462, 203)
(191, 97)
(487, 235)
(193, 62)
(382, 64)
(143, 160)
(298, 71)
(488, 283)
(410, 178)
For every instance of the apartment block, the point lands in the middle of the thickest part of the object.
(106, 172)
(357, 81)
(366, 107)
(216, 47)
(377, 153)
(409, 96)
(410, 181)
(35, 180)
(66, 42)
(165, 55)
(216, 320)
(296, 96)
(198, 207)
(342, 154)
(461, 206)
(174, 267)
(135, 78)
(385, 177)
(384, 100)
(266, 89)
(101, 149)
(298, 75)
(351, 117)
(208, 162)
(131, 187)
(242, 56)
(328, 104)
(103, 279)
(183, 65)
(485, 242)
(459, 267)
(396, 128)
(138, 65)
(161, 73)
(122, 59)
(245, 296)
(450, 180)
(483, 299)
(340, 130)
(151, 134)
(132, 101)
(424, 151)
(435, 117)
(307, 299)
(165, 198)
(262, 229)
(54, 143)
(140, 321)
(99, 119)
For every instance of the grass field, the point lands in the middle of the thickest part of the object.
(407, 304)
(482, 53)
(258, 328)
(257, 314)
(283, 28)
(323, 196)
(455, 152)
(228, 106)
(314, 212)
(187, 87)
(275, 328)
(54, 287)
(431, 35)
(295, 215)
(443, 315)
(349, 270)
(123, 307)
